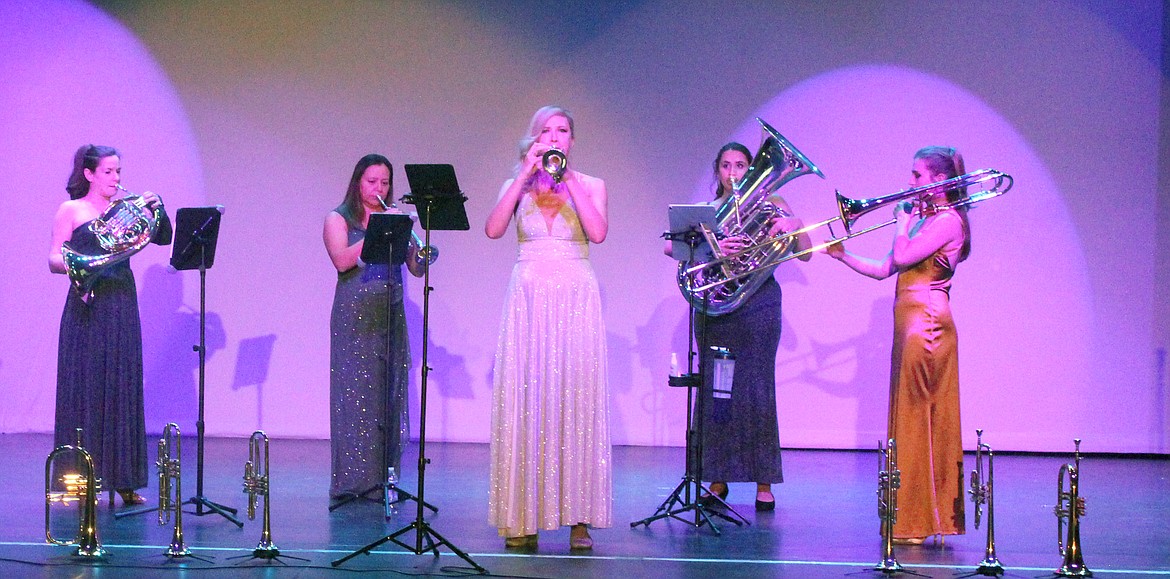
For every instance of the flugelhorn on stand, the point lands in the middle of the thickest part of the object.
(256, 485)
(70, 476)
(170, 491)
(427, 254)
(1071, 506)
(983, 491)
(889, 481)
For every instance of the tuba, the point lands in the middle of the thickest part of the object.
(1070, 506)
(70, 476)
(746, 213)
(983, 491)
(170, 491)
(124, 229)
(697, 279)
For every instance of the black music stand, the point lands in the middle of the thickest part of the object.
(386, 240)
(686, 223)
(196, 234)
(436, 194)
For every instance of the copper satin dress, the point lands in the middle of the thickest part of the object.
(550, 448)
(924, 398)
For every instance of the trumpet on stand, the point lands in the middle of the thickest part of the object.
(170, 490)
(889, 481)
(1071, 506)
(78, 483)
(256, 485)
(982, 491)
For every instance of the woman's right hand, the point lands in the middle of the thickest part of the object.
(534, 158)
(732, 244)
(835, 250)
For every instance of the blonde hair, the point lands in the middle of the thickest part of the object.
(538, 120)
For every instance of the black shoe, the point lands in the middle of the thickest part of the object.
(708, 500)
(765, 505)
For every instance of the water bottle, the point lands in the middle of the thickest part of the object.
(391, 492)
(724, 372)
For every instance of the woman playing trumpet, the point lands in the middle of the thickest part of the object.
(924, 380)
(367, 392)
(99, 354)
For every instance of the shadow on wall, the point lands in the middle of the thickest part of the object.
(252, 361)
(170, 368)
(448, 373)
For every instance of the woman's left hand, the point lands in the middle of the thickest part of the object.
(152, 199)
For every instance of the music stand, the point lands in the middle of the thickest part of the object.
(435, 193)
(196, 234)
(386, 240)
(686, 235)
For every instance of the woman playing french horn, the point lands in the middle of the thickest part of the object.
(99, 355)
(924, 380)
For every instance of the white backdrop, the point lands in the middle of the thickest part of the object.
(265, 106)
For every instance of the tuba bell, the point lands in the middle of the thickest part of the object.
(70, 476)
(124, 229)
(747, 213)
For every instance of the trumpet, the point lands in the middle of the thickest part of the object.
(1070, 506)
(982, 491)
(170, 493)
(427, 254)
(699, 278)
(256, 485)
(554, 162)
(78, 483)
(889, 481)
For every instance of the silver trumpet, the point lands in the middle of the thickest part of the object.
(170, 490)
(1070, 506)
(554, 162)
(889, 481)
(427, 254)
(256, 485)
(70, 476)
(982, 491)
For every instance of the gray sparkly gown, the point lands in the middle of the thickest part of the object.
(367, 420)
(741, 437)
(99, 369)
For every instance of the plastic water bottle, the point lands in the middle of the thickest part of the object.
(724, 372)
(391, 492)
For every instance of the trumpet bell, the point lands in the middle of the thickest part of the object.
(554, 162)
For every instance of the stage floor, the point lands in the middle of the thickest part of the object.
(825, 523)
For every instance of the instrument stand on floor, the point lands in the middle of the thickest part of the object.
(681, 500)
(196, 233)
(387, 236)
(436, 195)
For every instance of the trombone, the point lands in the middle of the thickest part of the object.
(170, 493)
(889, 481)
(849, 211)
(1071, 506)
(78, 483)
(982, 491)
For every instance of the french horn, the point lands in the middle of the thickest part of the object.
(125, 228)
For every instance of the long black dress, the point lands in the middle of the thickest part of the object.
(99, 369)
(367, 411)
(741, 436)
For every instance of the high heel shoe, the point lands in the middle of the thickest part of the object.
(908, 541)
(579, 538)
(521, 542)
(765, 505)
(709, 499)
(129, 497)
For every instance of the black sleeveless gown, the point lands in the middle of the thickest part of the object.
(99, 370)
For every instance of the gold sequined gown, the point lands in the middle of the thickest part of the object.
(550, 448)
(924, 399)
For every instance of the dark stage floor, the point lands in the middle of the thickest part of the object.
(825, 523)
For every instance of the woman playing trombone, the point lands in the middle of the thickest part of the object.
(924, 379)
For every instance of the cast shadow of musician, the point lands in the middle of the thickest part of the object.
(449, 375)
(170, 365)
